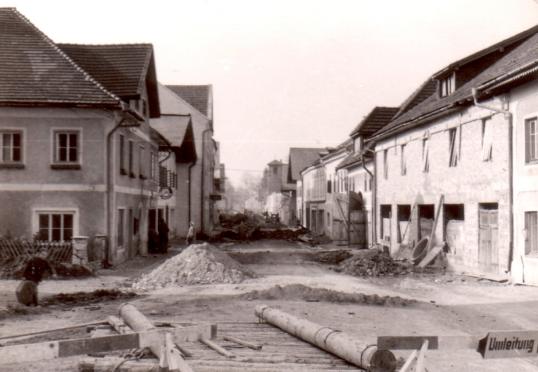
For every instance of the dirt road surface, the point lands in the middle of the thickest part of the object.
(444, 304)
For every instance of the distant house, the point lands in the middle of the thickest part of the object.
(300, 158)
(77, 154)
(277, 192)
(463, 149)
(197, 101)
(358, 167)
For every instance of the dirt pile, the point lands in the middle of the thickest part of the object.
(309, 294)
(280, 233)
(86, 298)
(198, 264)
(372, 263)
(332, 257)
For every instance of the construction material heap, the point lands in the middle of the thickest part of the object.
(198, 264)
(372, 263)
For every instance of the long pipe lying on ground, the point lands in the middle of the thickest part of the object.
(357, 352)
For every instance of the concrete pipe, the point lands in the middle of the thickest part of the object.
(356, 352)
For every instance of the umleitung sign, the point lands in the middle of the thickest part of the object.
(509, 344)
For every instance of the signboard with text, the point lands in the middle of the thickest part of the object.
(509, 344)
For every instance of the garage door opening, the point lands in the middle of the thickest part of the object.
(404, 217)
(426, 214)
(386, 214)
(453, 227)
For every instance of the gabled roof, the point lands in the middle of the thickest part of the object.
(354, 160)
(179, 133)
(124, 69)
(522, 58)
(34, 71)
(198, 96)
(300, 158)
(375, 120)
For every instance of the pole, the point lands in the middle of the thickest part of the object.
(359, 353)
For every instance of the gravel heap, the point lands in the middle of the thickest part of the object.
(198, 264)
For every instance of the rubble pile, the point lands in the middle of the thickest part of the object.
(301, 292)
(13, 268)
(332, 257)
(372, 263)
(280, 233)
(198, 264)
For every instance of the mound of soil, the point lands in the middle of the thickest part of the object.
(198, 264)
(372, 263)
(332, 257)
(305, 293)
(86, 298)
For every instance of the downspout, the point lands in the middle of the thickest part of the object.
(374, 194)
(202, 188)
(189, 174)
(509, 117)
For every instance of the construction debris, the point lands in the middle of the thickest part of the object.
(372, 263)
(198, 264)
(305, 293)
(86, 298)
(13, 268)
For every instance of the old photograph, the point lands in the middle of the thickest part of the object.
(269, 186)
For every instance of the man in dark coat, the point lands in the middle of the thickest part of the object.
(163, 235)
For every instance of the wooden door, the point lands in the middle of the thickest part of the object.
(358, 229)
(488, 251)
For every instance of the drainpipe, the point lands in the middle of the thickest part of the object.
(189, 174)
(374, 193)
(202, 188)
(110, 175)
(509, 117)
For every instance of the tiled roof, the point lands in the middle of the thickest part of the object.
(121, 68)
(173, 128)
(301, 158)
(198, 96)
(33, 70)
(425, 90)
(353, 160)
(524, 54)
(374, 121)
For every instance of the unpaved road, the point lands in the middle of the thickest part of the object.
(447, 305)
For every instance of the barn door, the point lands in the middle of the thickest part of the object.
(358, 229)
(488, 252)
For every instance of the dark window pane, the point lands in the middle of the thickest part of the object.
(62, 156)
(73, 140)
(16, 154)
(56, 234)
(56, 221)
(62, 140)
(68, 221)
(43, 234)
(5, 154)
(73, 154)
(68, 234)
(6, 141)
(43, 221)
(16, 139)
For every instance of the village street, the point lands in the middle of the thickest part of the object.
(440, 304)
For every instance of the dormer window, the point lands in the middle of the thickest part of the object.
(357, 145)
(447, 85)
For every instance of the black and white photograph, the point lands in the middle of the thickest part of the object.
(269, 185)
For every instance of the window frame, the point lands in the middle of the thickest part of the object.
(529, 251)
(130, 159)
(487, 154)
(22, 148)
(403, 160)
(426, 154)
(56, 163)
(386, 164)
(453, 154)
(36, 213)
(528, 142)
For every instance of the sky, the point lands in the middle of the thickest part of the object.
(289, 73)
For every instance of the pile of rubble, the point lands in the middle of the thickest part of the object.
(198, 264)
(372, 262)
(13, 268)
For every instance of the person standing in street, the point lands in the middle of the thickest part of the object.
(190, 234)
(163, 235)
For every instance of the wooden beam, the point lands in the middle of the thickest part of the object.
(219, 349)
(176, 363)
(23, 335)
(243, 343)
(434, 342)
(64, 348)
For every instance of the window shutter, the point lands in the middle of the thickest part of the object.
(528, 145)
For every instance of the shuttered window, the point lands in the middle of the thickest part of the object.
(531, 140)
(531, 232)
(487, 140)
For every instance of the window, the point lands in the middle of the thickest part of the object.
(153, 166)
(448, 85)
(453, 145)
(141, 163)
(122, 154)
(121, 220)
(66, 147)
(385, 164)
(487, 140)
(531, 140)
(329, 186)
(386, 215)
(131, 159)
(10, 147)
(274, 170)
(403, 163)
(425, 155)
(55, 226)
(531, 232)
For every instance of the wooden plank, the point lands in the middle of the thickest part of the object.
(434, 342)
(435, 221)
(174, 358)
(219, 349)
(183, 351)
(430, 256)
(420, 357)
(409, 361)
(243, 342)
(51, 330)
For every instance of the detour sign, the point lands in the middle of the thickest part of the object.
(509, 344)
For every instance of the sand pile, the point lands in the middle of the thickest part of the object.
(198, 264)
